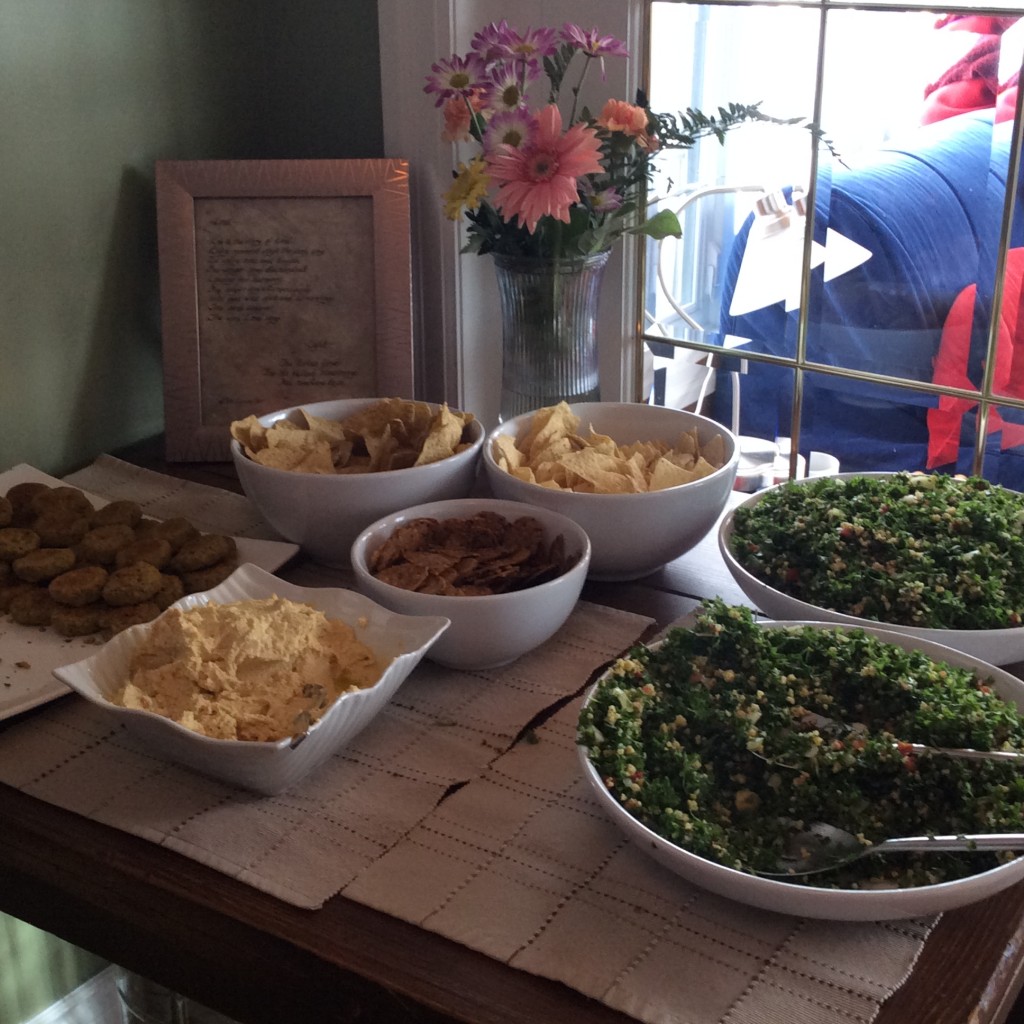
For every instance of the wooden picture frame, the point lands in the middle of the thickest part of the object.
(282, 282)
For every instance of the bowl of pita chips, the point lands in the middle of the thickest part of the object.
(506, 576)
(321, 473)
(645, 482)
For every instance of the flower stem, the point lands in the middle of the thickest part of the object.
(579, 86)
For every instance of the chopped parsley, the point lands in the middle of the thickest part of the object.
(729, 737)
(909, 549)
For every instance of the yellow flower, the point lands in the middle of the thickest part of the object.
(468, 188)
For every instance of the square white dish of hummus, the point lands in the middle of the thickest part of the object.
(256, 681)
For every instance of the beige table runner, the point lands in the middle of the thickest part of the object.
(436, 816)
(523, 865)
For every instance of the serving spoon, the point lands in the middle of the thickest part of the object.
(823, 847)
(963, 753)
(812, 720)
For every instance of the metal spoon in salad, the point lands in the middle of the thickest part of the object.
(823, 847)
(811, 720)
(962, 753)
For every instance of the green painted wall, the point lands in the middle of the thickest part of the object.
(92, 92)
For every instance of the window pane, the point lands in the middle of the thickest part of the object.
(898, 277)
(1004, 446)
(868, 427)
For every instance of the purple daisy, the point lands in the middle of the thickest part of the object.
(492, 41)
(592, 42)
(514, 128)
(507, 87)
(457, 76)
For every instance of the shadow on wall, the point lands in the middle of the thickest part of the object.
(123, 348)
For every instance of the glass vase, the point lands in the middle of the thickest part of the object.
(548, 330)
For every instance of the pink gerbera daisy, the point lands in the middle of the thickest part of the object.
(541, 179)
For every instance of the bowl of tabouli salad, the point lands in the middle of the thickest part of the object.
(713, 747)
(934, 556)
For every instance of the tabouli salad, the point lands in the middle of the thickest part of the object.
(728, 738)
(911, 549)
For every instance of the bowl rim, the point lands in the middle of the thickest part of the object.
(728, 467)
(564, 524)
(778, 894)
(467, 454)
(746, 578)
(246, 575)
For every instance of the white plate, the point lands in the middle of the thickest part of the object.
(827, 904)
(997, 646)
(28, 654)
(263, 766)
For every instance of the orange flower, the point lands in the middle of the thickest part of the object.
(456, 120)
(456, 116)
(620, 116)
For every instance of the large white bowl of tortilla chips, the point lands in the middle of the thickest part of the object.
(320, 473)
(646, 483)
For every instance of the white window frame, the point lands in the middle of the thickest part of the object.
(457, 327)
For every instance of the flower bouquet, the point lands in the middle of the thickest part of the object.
(550, 187)
(547, 183)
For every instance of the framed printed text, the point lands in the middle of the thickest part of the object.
(282, 282)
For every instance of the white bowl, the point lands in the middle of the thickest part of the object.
(263, 766)
(998, 646)
(490, 630)
(632, 534)
(323, 513)
(828, 904)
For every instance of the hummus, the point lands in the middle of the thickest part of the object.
(248, 670)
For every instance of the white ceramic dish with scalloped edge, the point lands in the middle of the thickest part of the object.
(807, 901)
(262, 766)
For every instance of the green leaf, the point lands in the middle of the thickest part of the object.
(663, 224)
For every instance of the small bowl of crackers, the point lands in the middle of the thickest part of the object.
(645, 482)
(506, 576)
(320, 473)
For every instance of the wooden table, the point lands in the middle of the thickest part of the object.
(265, 962)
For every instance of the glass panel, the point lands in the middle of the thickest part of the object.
(924, 206)
(969, 325)
(868, 427)
(706, 57)
(1004, 447)
(908, 218)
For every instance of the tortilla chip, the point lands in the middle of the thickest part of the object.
(552, 454)
(299, 458)
(561, 422)
(506, 454)
(444, 434)
(666, 473)
(392, 433)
